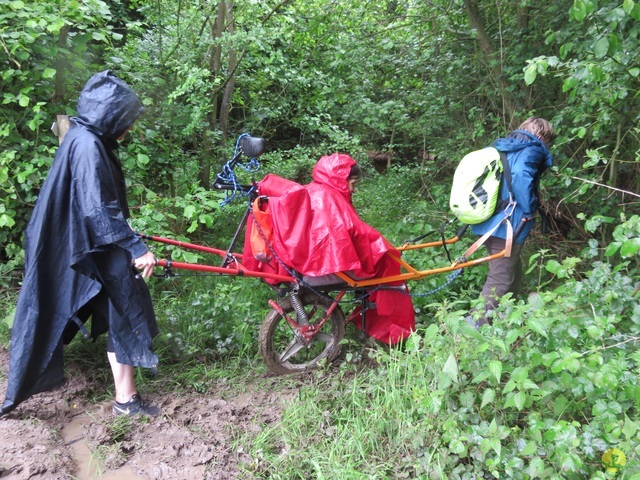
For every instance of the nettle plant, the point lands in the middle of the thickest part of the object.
(554, 383)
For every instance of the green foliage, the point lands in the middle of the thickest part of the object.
(208, 317)
(543, 392)
(47, 49)
(599, 73)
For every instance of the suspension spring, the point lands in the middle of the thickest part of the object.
(298, 307)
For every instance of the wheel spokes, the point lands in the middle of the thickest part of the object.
(323, 337)
(291, 349)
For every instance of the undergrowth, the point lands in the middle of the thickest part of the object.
(542, 393)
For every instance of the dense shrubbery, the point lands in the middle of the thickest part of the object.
(542, 393)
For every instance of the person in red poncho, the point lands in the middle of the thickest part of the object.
(317, 231)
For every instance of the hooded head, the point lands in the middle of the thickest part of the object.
(108, 105)
(334, 170)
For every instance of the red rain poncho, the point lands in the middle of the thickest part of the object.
(317, 232)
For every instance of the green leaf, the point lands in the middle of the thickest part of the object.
(488, 397)
(570, 83)
(537, 327)
(495, 445)
(612, 249)
(630, 428)
(519, 399)
(55, 26)
(628, 5)
(578, 10)
(457, 446)
(189, 211)
(451, 368)
(142, 159)
(536, 467)
(601, 47)
(528, 450)
(553, 266)
(509, 387)
(495, 367)
(6, 221)
(530, 74)
(49, 73)
(630, 247)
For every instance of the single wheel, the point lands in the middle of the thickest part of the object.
(286, 351)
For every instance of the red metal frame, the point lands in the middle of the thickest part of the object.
(237, 269)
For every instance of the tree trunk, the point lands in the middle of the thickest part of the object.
(217, 29)
(509, 106)
(225, 107)
(61, 67)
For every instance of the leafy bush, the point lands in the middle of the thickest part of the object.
(542, 393)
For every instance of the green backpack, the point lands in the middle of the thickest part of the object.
(475, 191)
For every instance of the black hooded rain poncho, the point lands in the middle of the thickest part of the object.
(78, 251)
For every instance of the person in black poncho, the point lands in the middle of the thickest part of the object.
(82, 258)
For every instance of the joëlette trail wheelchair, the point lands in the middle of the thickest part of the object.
(306, 323)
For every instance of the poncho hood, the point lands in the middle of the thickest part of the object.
(333, 171)
(108, 105)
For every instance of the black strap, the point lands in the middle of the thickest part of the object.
(506, 175)
(81, 326)
(506, 171)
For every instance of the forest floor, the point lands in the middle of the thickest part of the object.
(67, 434)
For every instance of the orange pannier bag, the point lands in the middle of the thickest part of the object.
(261, 235)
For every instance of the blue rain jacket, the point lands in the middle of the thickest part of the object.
(78, 251)
(528, 157)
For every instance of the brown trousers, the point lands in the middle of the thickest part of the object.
(505, 275)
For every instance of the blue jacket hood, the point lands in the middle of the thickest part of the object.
(515, 142)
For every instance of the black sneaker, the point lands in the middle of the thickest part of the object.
(135, 406)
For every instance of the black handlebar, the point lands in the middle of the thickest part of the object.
(248, 146)
(220, 185)
(462, 230)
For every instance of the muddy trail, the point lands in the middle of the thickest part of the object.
(63, 434)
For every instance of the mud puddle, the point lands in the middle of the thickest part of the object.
(89, 466)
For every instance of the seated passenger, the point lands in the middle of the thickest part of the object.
(317, 232)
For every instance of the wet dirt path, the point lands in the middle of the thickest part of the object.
(89, 466)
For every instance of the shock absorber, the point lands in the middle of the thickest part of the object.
(296, 303)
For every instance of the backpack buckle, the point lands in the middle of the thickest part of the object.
(508, 210)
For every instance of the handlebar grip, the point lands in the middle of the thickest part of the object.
(462, 230)
(221, 185)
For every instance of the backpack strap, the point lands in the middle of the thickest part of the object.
(508, 242)
(506, 176)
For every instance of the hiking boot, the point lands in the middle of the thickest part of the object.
(135, 406)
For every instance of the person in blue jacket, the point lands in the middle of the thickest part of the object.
(527, 150)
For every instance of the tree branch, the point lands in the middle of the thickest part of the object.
(606, 186)
(4, 47)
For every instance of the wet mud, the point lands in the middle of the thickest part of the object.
(64, 435)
